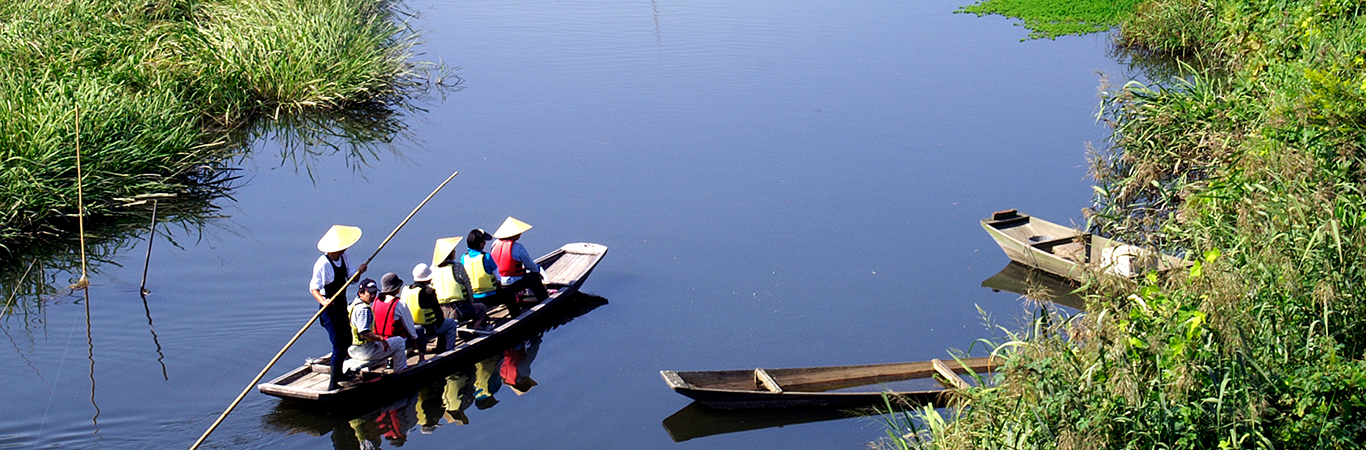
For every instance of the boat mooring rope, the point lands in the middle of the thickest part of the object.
(349, 280)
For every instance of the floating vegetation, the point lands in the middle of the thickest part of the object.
(1053, 18)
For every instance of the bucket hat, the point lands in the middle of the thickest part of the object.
(422, 273)
(390, 283)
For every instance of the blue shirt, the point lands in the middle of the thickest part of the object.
(490, 267)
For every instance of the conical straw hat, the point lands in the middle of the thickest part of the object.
(338, 238)
(444, 246)
(511, 227)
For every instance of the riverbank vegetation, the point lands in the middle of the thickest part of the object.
(1253, 166)
(159, 95)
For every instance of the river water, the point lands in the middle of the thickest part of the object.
(781, 184)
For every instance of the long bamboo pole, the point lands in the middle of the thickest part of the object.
(349, 280)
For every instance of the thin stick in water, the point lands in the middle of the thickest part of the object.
(151, 234)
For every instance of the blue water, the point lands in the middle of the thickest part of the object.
(781, 184)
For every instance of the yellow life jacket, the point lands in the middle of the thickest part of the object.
(355, 334)
(447, 289)
(420, 316)
(480, 281)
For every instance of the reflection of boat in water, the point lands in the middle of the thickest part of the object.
(697, 420)
(817, 386)
(564, 270)
(1036, 284)
(1063, 251)
(462, 390)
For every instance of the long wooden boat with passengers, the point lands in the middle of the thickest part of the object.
(820, 386)
(1063, 251)
(564, 271)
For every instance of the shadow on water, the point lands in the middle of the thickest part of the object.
(475, 382)
(1036, 284)
(697, 420)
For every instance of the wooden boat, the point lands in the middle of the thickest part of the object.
(564, 270)
(1063, 251)
(817, 386)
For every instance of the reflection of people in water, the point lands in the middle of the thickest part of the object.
(516, 367)
(365, 432)
(486, 383)
(448, 400)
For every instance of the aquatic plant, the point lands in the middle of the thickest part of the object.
(1050, 19)
(165, 92)
(1253, 163)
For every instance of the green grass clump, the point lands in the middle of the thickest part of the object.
(1253, 165)
(1050, 19)
(158, 93)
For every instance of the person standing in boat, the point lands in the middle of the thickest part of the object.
(366, 342)
(483, 272)
(330, 274)
(421, 300)
(516, 269)
(452, 284)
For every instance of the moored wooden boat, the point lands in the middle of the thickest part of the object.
(1063, 251)
(817, 386)
(564, 271)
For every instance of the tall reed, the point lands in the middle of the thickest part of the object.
(166, 89)
(1251, 164)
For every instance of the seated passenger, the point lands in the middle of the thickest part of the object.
(483, 273)
(516, 269)
(421, 300)
(366, 345)
(452, 285)
(389, 299)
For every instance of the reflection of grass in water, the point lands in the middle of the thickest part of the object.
(1053, 18)
(168, 90)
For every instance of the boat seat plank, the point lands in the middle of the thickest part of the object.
(947, 375)
(762, 378)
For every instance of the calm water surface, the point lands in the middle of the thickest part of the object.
(781, 184)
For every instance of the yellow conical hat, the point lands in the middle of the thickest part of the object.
(444, 246)
(511, 227)
(338, 238)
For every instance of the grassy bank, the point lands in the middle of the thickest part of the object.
(157, 94)
(1253, 166)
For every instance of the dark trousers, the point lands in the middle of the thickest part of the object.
(339, 332)
(531, 281)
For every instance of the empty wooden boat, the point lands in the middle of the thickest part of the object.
(820, 386)
(1064, 251)
(564, 270)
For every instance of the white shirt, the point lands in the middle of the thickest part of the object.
(322, 271)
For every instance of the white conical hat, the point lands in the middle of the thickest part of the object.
(444, 246)
(511, 227)
(338, 238)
